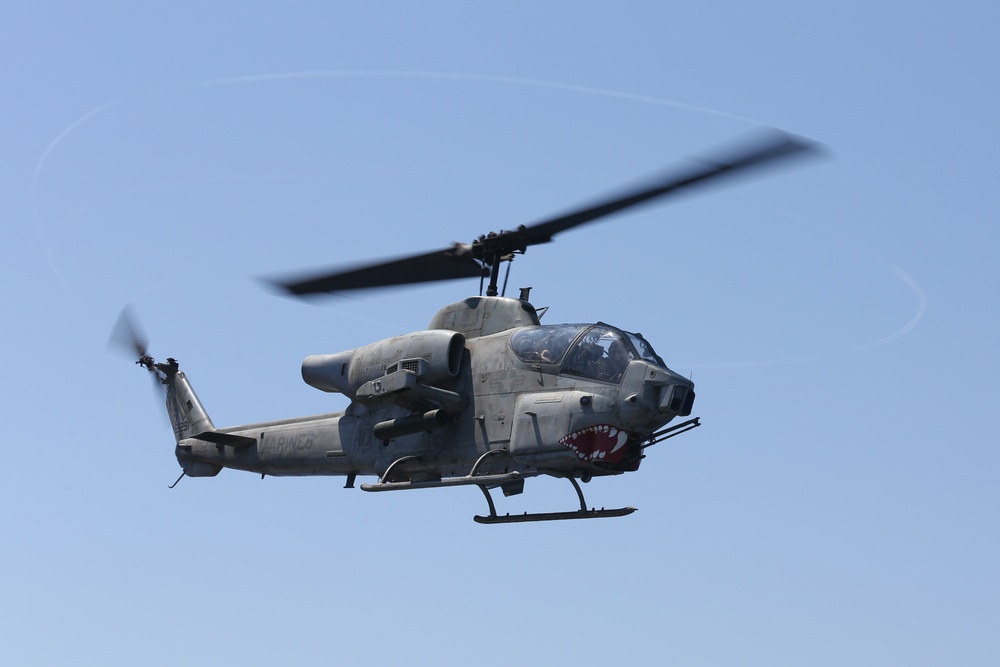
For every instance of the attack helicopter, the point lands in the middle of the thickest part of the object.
(487, 395)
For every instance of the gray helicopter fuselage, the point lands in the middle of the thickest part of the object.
(478, 380)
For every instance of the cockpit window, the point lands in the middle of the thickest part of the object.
(645, 349)
(600, 354)
(546, 344)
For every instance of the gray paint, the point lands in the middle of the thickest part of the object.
(482, 395)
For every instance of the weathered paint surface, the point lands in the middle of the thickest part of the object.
(550, 415)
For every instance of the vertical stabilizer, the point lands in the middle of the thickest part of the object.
(187, 415)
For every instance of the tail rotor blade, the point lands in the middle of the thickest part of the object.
(127, 336)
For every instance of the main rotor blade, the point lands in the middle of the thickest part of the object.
(469, 261)
(774, 146)
(447, 264)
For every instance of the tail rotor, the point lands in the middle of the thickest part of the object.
(128, 338)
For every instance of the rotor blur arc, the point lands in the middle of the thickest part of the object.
(483, 256)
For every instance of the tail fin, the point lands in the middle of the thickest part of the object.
(187, 415)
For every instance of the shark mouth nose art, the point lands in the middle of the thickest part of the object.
(602, 442)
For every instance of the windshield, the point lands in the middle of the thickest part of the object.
(599, 354)
(645, 349)
(544, 344)
(598, 351)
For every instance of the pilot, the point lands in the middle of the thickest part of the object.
(529, 344)
(546, 352)
(616, 361)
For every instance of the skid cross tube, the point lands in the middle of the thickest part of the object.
(386, 483)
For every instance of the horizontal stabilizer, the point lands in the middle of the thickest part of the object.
(226, 439)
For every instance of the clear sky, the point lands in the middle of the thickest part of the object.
(840, 504)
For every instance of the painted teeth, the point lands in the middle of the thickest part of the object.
(622, 439)
(595, 443)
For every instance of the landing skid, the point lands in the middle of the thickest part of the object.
(510, 482)
(582, 513)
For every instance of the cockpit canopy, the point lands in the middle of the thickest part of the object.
(597, 352)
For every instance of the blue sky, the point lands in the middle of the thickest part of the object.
(840, 503)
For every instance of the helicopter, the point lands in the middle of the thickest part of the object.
(487, 395)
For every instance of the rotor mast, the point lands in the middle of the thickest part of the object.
(494, 249)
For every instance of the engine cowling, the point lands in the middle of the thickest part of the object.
(435, 356)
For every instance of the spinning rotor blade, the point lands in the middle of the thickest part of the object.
(734, 160)
(448, 264)
(485, 253)
(127, 335)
